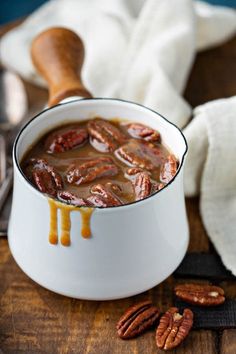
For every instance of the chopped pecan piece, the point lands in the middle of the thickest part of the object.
(137, 319)
(142, 154)
(104, 136)
(200, 294)
(157, 186)
(79, 173)
(72, 199)
(102, 196)
(173, 328)
(65, 139)
(141, 131)
(133, 171)
(45, 177)
(142, 185)
(168, 169)
(97, 201)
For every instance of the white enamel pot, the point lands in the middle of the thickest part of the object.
(132, 248)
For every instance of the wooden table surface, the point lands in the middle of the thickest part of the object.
(35, 320)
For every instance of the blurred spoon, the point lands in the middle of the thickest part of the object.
(13, 108)
(13, 100)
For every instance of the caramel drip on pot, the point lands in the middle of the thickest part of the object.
(65, 227)
(85, 218)
(66, 222)
(53, 235)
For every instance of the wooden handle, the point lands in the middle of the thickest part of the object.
(58, 54)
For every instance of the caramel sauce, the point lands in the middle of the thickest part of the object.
(50, 173)
(65, 211)
(62, 161)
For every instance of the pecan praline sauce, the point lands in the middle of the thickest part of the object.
(96, 163)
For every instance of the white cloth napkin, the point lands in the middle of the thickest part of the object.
(143, 51)
(211, 170)
(136, 50)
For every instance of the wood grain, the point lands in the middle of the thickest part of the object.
(199, 241)
(228, 342)
(34, 320)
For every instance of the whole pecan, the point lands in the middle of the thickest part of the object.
(104, 136)
(102, 196)
(142, 185)
(141, 131)
(173, 328)
(79, 173)
(137, 319)
(200, 294)
(65, 139)
(142, 154)
(72, 199)
(168, 169)
(45, 177)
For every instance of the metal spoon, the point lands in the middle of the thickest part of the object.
(13, 108)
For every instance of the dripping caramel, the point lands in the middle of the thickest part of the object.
(65, 226)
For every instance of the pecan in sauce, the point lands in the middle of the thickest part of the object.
(44, 176)
(140, 131)
(104, 136)
(65, 139)
(91, 170)
(100, 163)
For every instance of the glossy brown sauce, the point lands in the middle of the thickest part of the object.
(128, 167)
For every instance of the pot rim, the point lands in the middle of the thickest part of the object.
(17, 164)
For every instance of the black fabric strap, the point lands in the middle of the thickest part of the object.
(217, 317)
(205, 266)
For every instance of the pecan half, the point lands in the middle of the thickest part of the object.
(141, 131)
(168, 169)
(173, 328)
(72, 199)
(137, 319)
(104, 136)
(142, 154)
(200, 294)
(65, 139)
(79, 173)
(142, 185)
(102, 196)
(45, 177)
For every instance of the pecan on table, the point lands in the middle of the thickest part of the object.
(90, 170)
(45, 177)
(141, 131)
(200, 294)
(168, 169)
(103, 196)
(104, 136)
(173, 328)
(65, 139)
(137, 319)
(142, 154)
(72, 199)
